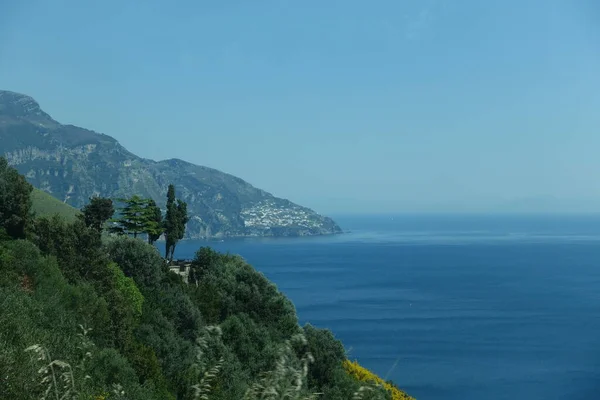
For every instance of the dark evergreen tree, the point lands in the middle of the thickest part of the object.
(15, 201)
(97, 212)
(182, 219)
(155, 226)
(136, 217)
(170, 223)
(175, 220)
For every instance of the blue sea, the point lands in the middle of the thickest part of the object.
(451, 306)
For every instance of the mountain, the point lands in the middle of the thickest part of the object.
(74, 163)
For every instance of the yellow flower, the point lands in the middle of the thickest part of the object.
(362, 374)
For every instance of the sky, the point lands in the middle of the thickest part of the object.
(346, 106)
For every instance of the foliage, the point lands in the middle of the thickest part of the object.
(139, 261)
(76, 247)
(287, 380)
(328, 354)
(175, 221)
(41, 309)
(227, 285)
(137, 216)
(97, 212)
(206, 374)
(252, 343)
(170, 322)
(3, 234)
(229, 334)
(155, 227)
(364, 375)
(126, 286)
(15, 201)
(58, 376)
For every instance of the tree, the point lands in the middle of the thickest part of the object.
(139, 216)
(97, 212)
(170, 222)
(155, 224)
(182, 218)
(135, 217)
(15, 201)
(175, 220)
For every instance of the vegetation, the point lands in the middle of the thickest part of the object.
(175, 221)
(45, 205)
(143, 216)
(155, 222)
(15, 199)
(364, 375)
(136, 217)
(90, 316)
(97, 212)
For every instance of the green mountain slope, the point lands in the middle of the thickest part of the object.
(98, 318)
(73, 163)
(44, 205)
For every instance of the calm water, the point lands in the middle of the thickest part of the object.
(451, 307)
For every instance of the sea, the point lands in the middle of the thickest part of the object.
(450, 306)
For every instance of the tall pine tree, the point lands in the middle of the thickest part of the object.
(137, 216)
(174, 223)
(155, 224)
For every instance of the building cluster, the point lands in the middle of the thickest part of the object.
(269, 214)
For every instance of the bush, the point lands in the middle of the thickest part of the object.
(44, 313)
(328, 353)
(362, 374)
(76, 247)
(126, 286)
(137, 260)
(227, 286)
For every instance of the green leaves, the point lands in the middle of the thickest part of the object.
(287, 381)
(97, 212)
(155, 226)
(152, 335)
(15, 201)
(126, 286)
(137, 216)
(175, 222)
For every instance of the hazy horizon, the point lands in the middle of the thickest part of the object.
(344, 107)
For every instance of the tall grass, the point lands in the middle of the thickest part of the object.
(287, 381)
(207, 374)
(57, 376)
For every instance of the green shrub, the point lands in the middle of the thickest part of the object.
(126, 286)
(137, 260)
(227, 286)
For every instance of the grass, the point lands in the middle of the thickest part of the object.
(44, 205)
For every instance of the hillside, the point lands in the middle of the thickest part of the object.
(73, 164)
(85, 316)
(44, 205)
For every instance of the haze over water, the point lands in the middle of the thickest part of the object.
(451, 307)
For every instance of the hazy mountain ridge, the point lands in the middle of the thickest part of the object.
(74, 163)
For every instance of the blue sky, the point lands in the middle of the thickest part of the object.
(343, 106)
